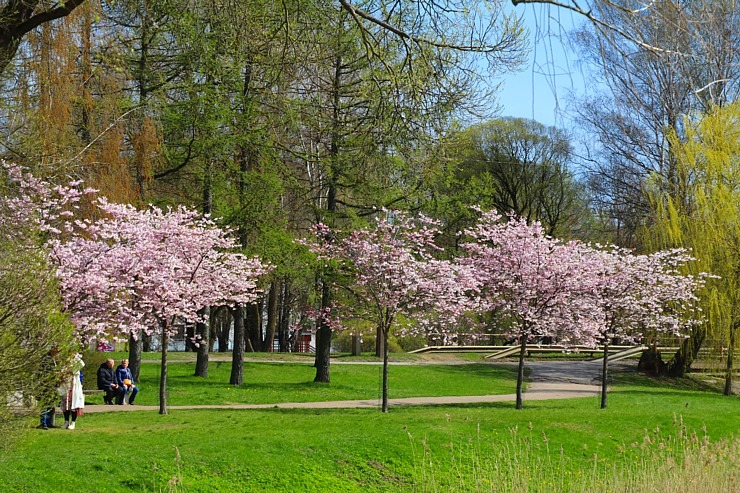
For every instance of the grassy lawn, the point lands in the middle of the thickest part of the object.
(547, 446)
(270, 382)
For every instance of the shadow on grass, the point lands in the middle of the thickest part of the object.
(674, 393)
(680, 383)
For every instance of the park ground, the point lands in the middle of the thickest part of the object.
(555, 444)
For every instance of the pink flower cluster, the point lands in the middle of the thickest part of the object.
(574, 292)
(133, 270)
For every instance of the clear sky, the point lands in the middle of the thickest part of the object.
(542, 91)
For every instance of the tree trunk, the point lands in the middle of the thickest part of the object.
(223, 320)
(163, 370)
(380, 342)
(146, 343)
(384, 406)
(730, 363)
(687, 353)
(253, 328)
(323, 344)
(520, 372)
(272, 317)
(237, 359)
(189, 336)
(212, 332)
(323, 341)
(604, 369)
(86, 78)
(202, 333)
(284, 331)
(135, 346)
(651, 362)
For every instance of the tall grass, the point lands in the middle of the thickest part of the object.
(661, 463)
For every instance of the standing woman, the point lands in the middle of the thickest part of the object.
(73, 400)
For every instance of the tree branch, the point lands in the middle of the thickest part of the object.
(18, 18)
(600, 23)
(359, 14)
(35, 21)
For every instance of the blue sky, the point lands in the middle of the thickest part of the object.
(542, 90)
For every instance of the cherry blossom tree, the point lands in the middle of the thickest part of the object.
(532, 280)
(131, 271)
(392, 271)
(630, 294)
(574, 292)
(134, 270)
(49, 209)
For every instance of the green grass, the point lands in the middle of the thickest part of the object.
(410, 449)
(293, 382)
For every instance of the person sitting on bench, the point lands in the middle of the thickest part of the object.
(107, 382)
(125, 380)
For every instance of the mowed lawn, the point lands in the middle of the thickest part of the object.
(409, 449)
(268, 382)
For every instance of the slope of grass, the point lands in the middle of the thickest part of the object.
(548, 446)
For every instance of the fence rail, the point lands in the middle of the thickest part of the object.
(500, 352)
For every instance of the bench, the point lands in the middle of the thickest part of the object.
(91, 392)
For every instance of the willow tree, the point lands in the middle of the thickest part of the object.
(708, 222)
(64, 107)
(653, 62)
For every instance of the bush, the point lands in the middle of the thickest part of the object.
(342, 343)
(93, 359)
(411, 342)
(35, 337)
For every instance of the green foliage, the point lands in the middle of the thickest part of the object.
(342, 342)
(31, 325)
(702, 213)
(93, 359)
(410, 342)
(511, 165)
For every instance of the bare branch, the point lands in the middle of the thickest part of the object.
(602, 24)
(18, 18)
(360, 14)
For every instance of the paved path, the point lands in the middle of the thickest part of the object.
(549, 380)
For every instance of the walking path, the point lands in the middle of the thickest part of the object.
(549, 380)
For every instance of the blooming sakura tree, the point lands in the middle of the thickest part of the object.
(532, 280)
(132, 270)
(392, 272)
(141, 269)
(575, 292)
(629, 294)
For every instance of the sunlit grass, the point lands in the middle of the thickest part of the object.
(272, 382)
(663, 461)
(553, 446)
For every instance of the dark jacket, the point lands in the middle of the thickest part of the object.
(106, 377)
